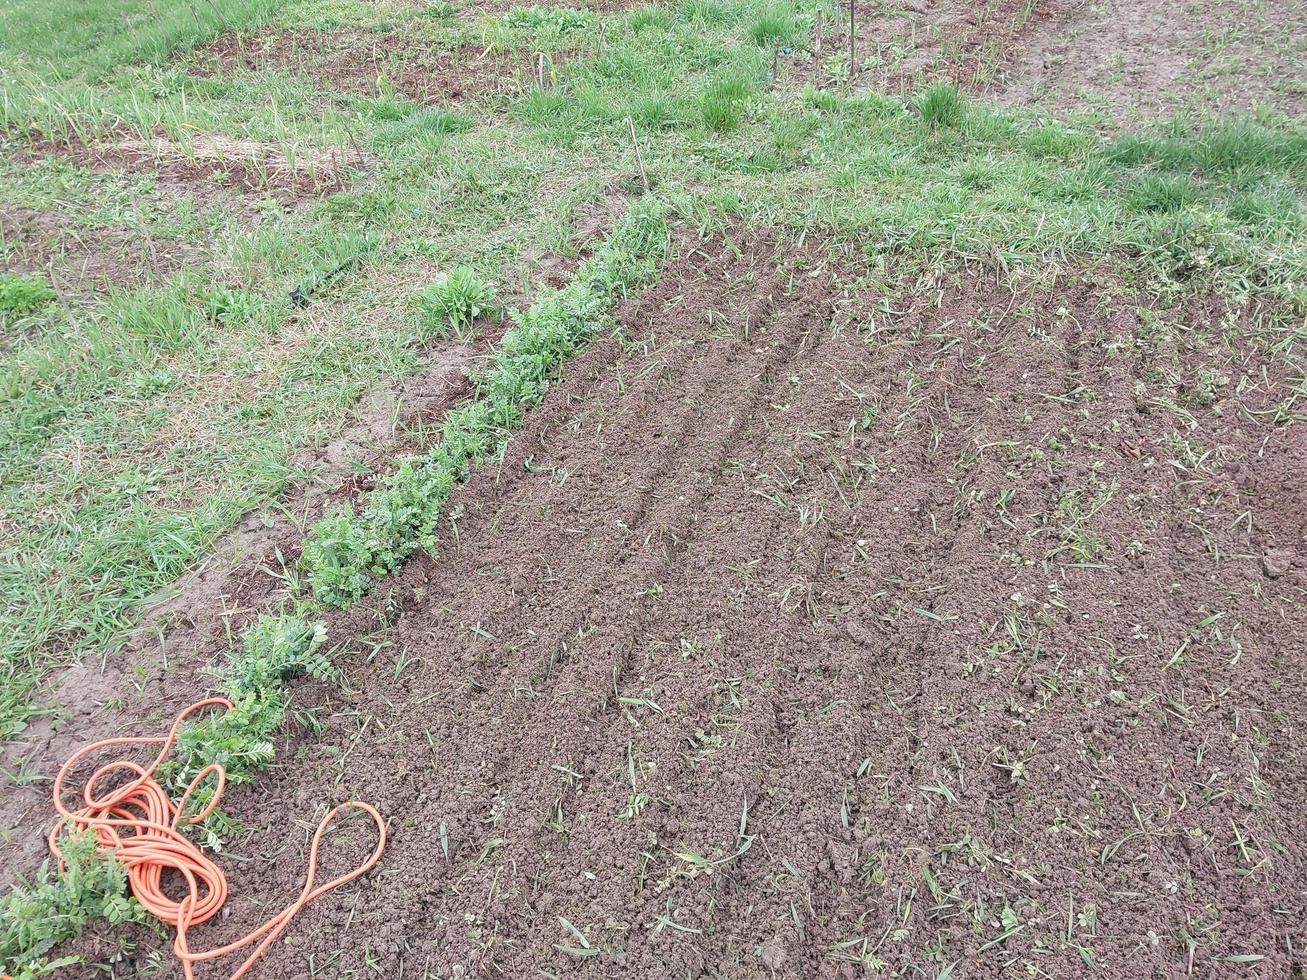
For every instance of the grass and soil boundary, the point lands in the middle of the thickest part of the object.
(299, 235)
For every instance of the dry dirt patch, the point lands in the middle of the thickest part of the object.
(291, 173)
(215, 171)
(1132, 59)
(80, 260)
(799, 633)
(1148, 58)
(355, 63)
(901, 46)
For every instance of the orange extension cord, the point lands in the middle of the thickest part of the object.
(137, 824)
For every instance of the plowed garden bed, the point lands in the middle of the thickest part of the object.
(803, 632)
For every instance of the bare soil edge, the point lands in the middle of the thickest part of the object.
(198, 618)
(793, 637)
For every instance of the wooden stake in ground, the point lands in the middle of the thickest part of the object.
(540, 68)
(853, 41)
(639, 157)
(816, 42)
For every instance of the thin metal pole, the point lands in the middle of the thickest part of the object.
(853, 41)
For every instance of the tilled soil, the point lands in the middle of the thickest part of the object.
(806, 630)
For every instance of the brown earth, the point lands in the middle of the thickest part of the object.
(214, 166)
(1106, 56)
(1136, 61)
(351, 62)
(79, 260)
(804, 631)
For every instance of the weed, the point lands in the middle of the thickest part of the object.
(773, 27)
(723, 102)
(231, 307)
(453, 302)
(35, 918)
(20, 295)
(557, 20)
(942, 106)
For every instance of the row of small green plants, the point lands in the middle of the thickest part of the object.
(343, 554)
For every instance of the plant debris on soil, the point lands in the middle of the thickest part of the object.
(367, 65)
(805, 633)
(79, 259)
(1076, 56)
(1109, 56)
(207, 166)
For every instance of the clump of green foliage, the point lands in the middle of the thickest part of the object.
(775, 26)
(230, 306)
(453, 302)
(723, 101)
(559, 20)
(274, 649)
(20, 295)
(37, 917)
(942, 106)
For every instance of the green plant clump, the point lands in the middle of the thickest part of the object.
(275, 648)
(20, 295)
(453, 302)
(942, 106)
(37, 917)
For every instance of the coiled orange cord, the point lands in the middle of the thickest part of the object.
(136, 824)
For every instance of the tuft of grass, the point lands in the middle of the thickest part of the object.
(774, 26)
(942, 106)
(1158, 193)
(657, 111)
(430, 127)
(649, 18)
(723, 102)
(453, 302)
(707, 13)
(20, 295)
(1223, 146)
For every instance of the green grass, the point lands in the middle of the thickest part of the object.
(61, 39)
(138, 423)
